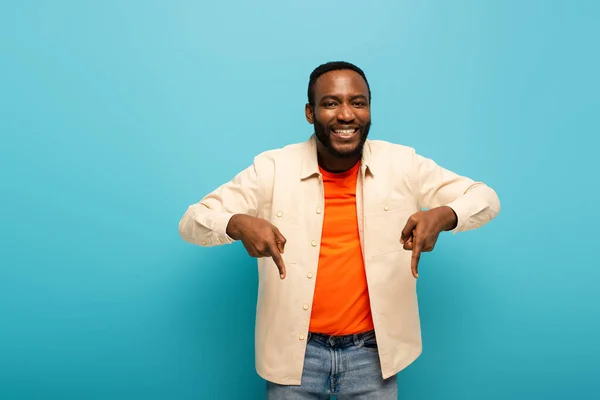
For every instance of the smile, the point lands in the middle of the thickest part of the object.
(344, 133)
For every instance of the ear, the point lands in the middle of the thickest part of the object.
(309, 112)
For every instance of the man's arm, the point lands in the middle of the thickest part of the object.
(474, 203)
(231, 213)
(453, 202)
(205, 223)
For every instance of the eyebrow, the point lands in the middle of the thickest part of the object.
(337, 98)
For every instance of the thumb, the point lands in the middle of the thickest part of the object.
(280, 240)
(410, 226)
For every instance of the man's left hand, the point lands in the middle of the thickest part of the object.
(422, 230)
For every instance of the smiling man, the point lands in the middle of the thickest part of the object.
(338, 227)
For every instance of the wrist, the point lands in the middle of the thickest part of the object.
(449, 219)
(233, 229)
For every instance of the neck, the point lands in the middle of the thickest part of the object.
(331, 163)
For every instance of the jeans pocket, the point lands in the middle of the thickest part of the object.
(369, 343)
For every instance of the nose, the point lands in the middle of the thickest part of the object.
(345, 113)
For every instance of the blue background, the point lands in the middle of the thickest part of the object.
(115, 116)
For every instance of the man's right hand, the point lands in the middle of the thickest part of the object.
(260, 238)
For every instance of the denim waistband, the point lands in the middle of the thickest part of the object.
(341, 341)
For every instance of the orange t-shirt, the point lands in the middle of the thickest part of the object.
(341, 303)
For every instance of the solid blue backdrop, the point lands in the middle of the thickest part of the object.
(115, 116)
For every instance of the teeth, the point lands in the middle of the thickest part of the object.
(345, 132)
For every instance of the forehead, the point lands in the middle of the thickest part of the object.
(342, 83)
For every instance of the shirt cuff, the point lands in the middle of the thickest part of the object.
(217, 223)
(464, 208)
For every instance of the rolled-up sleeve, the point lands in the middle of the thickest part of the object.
(474, 203)
(205, 223)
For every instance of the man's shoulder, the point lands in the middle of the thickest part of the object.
(283, 153)
(378, 146)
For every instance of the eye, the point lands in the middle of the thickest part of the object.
(329, 104)
(360, 104)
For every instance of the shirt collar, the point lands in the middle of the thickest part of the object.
(310, 163)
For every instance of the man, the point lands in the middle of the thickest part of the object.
(338, 227)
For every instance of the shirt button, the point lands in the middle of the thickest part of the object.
(309, 275)
(313, 243)
(279, 214)
(386, 207)
(221, 240)
(305, 306)
(301, 337)
(318, 211)
(204, 243)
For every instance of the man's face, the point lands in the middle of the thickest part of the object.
(341, 114)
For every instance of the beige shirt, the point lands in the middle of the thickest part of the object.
(284, 186)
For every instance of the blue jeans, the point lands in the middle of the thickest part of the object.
(346, 367)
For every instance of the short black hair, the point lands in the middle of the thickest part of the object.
(328, 67)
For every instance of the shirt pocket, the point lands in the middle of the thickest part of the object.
(294, 235)
(383, 225)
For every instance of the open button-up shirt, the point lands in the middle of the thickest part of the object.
(284, 186)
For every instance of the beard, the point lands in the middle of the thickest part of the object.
(323, 135)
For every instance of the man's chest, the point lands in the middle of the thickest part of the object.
(340, 218)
